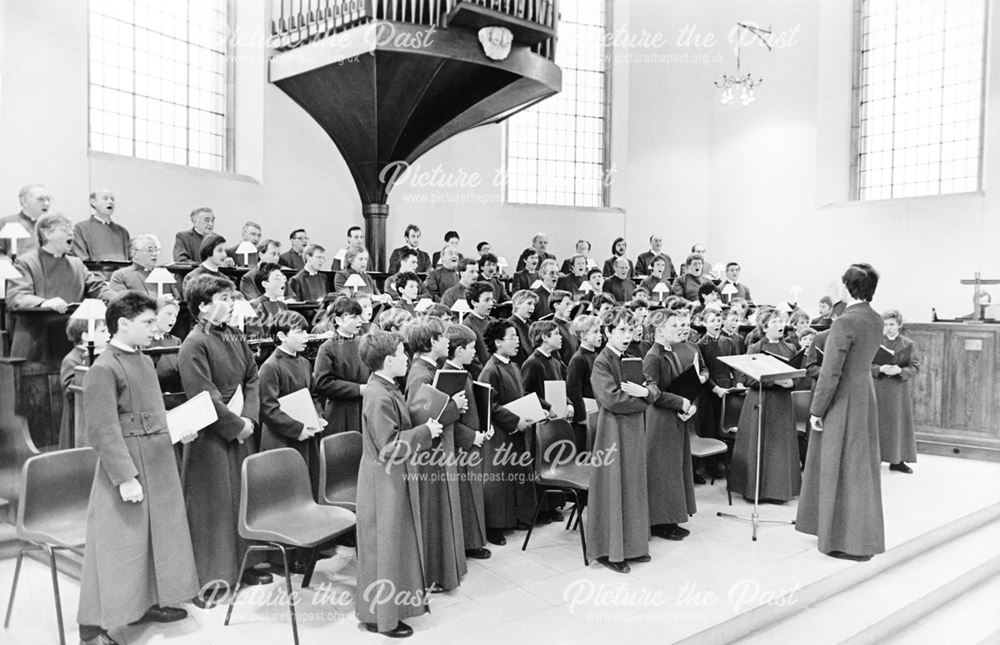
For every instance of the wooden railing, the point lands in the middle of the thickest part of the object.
(299, 22)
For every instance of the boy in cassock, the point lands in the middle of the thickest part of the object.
(76, 332)
(309, 285)
(480, 297)
(562, 304)
(469, 438)
(468, 271)
(892, 394)
(440, 503)
(138, 558)
(588, 330)
(508, 490)
(215, 358)
(668, 444)
(656, 277)
(390, 578)
(168, 371)
(339, 376)
(407, 287)
(721, 382)
(489, 271)
(523, 313)
(731, 329)
(618, 514)
(272, 282)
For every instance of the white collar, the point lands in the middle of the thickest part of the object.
(122, 346)
(503, 359)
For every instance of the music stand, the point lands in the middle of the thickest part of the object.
(763, 368)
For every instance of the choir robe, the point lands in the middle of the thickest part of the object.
(440, 501)
(68, 437)
(570, 342)
(283, 374)
(738, 341)
(337, 378)
(248, 284)
(542, 308)
(581, 364)
(168, 371)
(243, 261)
(478, 325)
(644, 264)
(24, 244)
(265, 308)
(306, 287)
(389, 522)
(440, 280)
(454, 293)
(470, 470)
(217, 360)
(292, 259)
(537, 369)
(742, 291)
(340, 279)
(780, 474)
(686, 286)
(895, 406)
(649, 284)
(499, 291)
(95, 240)
(841, 499)
(187, 247)
(389, 287)
(685, 352)
(523, 280)
(423, 260)
(668, 445)
(617, 518)
(137, 554)
(609, 267)
(524, 347)
(572, 284)
(620, 290)
(719, 375)
(508, 490)
(133, 278)
(543, 257)
(201, 269)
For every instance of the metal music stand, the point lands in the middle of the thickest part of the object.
(763, 368)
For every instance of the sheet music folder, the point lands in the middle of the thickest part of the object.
(762, 367)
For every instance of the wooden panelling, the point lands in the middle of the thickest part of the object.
(928, 386)
(971, 390)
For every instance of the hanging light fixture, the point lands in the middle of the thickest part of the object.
(741, 86)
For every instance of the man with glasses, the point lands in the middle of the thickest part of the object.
(292, 258)
(145, 251)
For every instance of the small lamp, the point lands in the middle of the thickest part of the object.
(461, 307)
(246, 249)
(12, 232)
(661, 288)
(241, 311)
(536, 284)
(7, 272)
(728, 291)
(502, 263)
(91, 310)
(354, 281)
(585, 287)
(160, 276)
(796, 290)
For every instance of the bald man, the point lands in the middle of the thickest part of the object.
(35, 201)
(98, 238)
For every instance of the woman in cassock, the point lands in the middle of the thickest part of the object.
(215, 358)
(780, 474)
(841, 499)
(440, 500)
(897, 442)
(339, 375)
(588, 330)
(618, 504)
(668, 445)
(356, 261)
(390, 577)
(508, 491)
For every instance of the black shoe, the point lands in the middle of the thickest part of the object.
(523, 526)
(617, 567)
(436, 588)
(209, 598)
(101, 639)
(402, 630)
(847, 556)
(679, 530)
(482, 553)
(698, 479)
(347, 539)
(254, 576)
(297, 567)
(495, 536)
(157, 614)
(639, 558)
(901, 467)
(663, 531)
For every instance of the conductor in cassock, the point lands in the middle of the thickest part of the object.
(841, 500)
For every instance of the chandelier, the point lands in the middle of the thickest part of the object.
(740, 86)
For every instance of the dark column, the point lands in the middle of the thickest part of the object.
(375, 215)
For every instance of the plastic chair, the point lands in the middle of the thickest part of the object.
(52, 515)
(551, 475)
(702, 447)
(277, 510)
(800, 403)
(338, 469)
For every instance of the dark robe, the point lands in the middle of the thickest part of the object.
(68, 436)
(24, 244)
(523, 280)
(187, 247)
(95, 240)
(741, 291)
(687, 285)
(570, 342)
(524, 346)
(609, 267)
(542, 308)
(581, 364)
(478, 325)
(780, 474)
(440, 280)
(499, 291)
(217, 360)
(168, 371)
(617, 516)
(644, 264)
(508, 491)
(304, 287)
(389, 523)
(423, 260)
(248, 284)
(572, 284)
(668, 444)
(649, 285)
(470, 471)
(738, 341)
(292, 259)
(895, 406)
(137, 554)
(454, 293)
(283, 374)
(340, 280)
(133, 278)
(338, 377)
(620, 290)
(719, 375)
(842, 489)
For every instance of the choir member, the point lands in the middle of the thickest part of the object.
(489, 271)
(668, 444)
(443, 544)
(842, 490)
(733, 279)
(35, 201)
(539, 246)
(390, 578)
(721, 380)
(215, 358)
(804, 338)
(562, 306)
(521, 316)
(407, 287)
(356, 261)
(292, 258)
(168, 371)
(451, 239)
(825, 308)
(709, 297)
(267, 252)
(780, 477)
(731, 330)
(892, 393)
(412, 236)
(393, 319)
(408, 264)
(144, 251)
(620, 285)
(548, 275)
(469, 438)
(576, 274)
(50, 279)
(271, 282)
(617, 519)
(99, 238)
(213, 257)
(355, 242)
(340, 377)
(508, 491)
(798, 321)
(443, 277)
(139, 556)
(309, 285)
(657, 275)
(618, 248)
(77, 333)
(644, 263)
(588, 330)
(480, 299)
(524, 278)
(686, 286)
(582, 248)
(187, 244)
(543, 364)
(251, 232)
(468, 271)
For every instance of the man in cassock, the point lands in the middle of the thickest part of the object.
(619, 285)
(51, 280)
(644, 263)
(309, 285)
(35, 201)
(267, 252)
(145, 251)
(187, 243)
(548, 274)
(251, 232)
(412, 236)
(686, 286)
(841, 501)
(480, 299)
(445, 276)
(98, 238)
(489, 271)
(292, 258)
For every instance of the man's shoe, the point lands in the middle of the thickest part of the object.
(101, 639)
(617, 567)
(848, 556)
(698, 479)
(495, 536)
(640, 558)
(209, 599)
(678, 530)
(402, 630)
(524, 526)
(254, 576)
(901, 467)
(663, 531)
(482, 553)
(157, 614)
